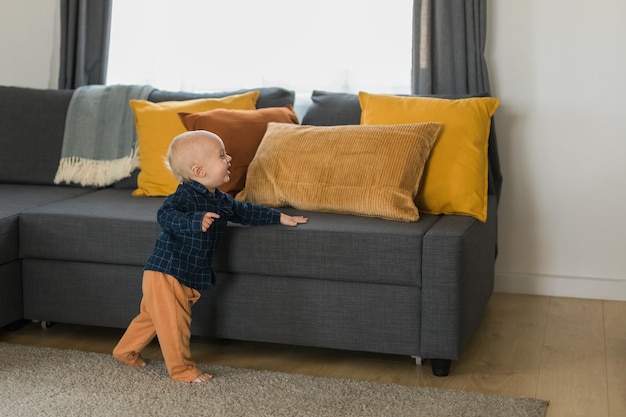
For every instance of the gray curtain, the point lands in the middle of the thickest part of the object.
(448, 47)
(85, 29)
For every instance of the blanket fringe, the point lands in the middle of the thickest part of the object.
(91, 172)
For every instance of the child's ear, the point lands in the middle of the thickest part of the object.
(197, 170)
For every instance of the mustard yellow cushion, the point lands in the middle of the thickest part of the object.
(158, 123)
(370, 171)
(456, 175)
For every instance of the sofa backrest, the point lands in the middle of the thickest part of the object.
(268, 97)
(32, 122)
(32, 125)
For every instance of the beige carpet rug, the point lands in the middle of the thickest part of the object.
(38, 381)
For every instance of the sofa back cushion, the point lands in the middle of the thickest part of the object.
(268, 96)
(332, 109)
(32, 123)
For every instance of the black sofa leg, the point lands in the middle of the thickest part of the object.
(441, 367)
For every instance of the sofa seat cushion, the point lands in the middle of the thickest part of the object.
(14, 199)
(330, 246)
(111, 226)
(106, 226)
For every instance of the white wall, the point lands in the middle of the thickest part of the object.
(29, 43)
(557, 67)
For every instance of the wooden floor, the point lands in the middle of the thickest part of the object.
(571, 352)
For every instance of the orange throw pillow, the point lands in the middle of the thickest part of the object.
(241, 131)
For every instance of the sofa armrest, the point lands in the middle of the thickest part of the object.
(457, 281)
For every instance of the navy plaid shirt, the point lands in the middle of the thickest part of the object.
(182, 249)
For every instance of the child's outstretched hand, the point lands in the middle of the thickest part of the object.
(208, 219)
(288, 220)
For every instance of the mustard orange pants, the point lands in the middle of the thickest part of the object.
(165, 312)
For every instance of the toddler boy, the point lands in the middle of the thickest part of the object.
(193, 220)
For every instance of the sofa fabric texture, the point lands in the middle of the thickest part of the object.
(75, 254)
(32, 124)
(14, 200)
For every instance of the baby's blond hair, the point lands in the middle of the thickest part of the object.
(182, 154)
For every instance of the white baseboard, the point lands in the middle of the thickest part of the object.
(561, 286)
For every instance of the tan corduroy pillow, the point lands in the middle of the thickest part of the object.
(372, 171)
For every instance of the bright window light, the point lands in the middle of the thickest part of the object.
(210, 45)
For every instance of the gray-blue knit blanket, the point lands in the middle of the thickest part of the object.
(100, 138)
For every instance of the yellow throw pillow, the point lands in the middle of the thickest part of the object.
(158, 123)
(456, 175)
(370, 171)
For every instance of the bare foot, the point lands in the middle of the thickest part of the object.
(202, 378)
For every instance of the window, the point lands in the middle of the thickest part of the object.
(211, 45)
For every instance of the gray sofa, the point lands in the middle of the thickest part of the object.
(75, 255)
